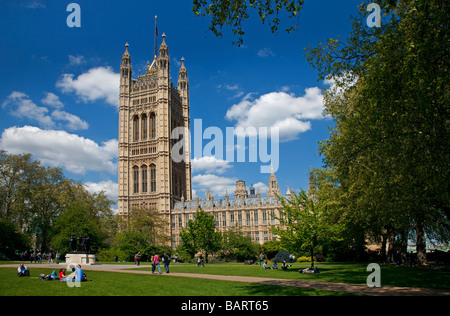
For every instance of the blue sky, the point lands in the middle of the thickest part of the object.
(59, 85)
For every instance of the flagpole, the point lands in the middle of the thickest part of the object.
(156, 35)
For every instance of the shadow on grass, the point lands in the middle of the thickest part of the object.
(259, 289)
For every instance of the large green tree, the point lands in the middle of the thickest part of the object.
(40, 202)
(389, 99)
(200, 234)
(82, 214)
(304, 224)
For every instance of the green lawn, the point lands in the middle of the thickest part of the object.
(121, 284)
(113, 284)
(356, 273)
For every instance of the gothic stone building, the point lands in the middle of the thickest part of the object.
(150, 108)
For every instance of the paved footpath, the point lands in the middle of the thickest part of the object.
(327, 286)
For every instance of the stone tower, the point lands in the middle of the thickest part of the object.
(150, 108)
(273, 185)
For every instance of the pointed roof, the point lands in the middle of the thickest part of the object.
(126, 54)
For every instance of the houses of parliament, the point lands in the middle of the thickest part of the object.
(150, 107)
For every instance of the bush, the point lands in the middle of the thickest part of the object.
(320, 258)
(108, 255)
(304, 259)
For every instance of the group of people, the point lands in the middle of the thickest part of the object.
(284, 265)
(155, 261)
(37, 256)
(77, 275)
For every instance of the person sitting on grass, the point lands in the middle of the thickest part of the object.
(284, 266)
(22, 270)
(275, 265)
(62, 275)
(80, 276)
(265, 265)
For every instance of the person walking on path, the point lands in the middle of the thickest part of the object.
(166, 261)
(156, 263)
(137, 258)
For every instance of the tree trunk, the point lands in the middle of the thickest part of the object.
(312, 257)
(383, 247)
(420, 243)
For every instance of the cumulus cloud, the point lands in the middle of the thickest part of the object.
(209, 164)
(20, 105)
(73, 122)
(262, 187)
(291, 114)
(110, 188)
(218, 185)
(52, 100)
(61, 149)
(100, 83)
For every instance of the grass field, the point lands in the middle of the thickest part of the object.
(356, 273)
(119, 284)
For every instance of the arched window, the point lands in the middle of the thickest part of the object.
(152, 126)
(135, 128)
(144, 179)
(144, 126)
(136, 179)
(152, 178)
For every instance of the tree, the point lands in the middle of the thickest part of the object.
(390, 104)
(304, 225)
(234, 12)
(151, 223)
(200, 234)
(16, 172)
(238, 247)
(82, 214)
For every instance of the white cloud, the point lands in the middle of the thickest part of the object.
(209, 164)
(34, 4)
(238, 92)
(52, 100)
(77, 60)
(73, 122)
(100, 83)
(265, 52)
(216, 184)
(279, 109)
(262, 187)
(110, 188)
(59, 148)
(21, 106)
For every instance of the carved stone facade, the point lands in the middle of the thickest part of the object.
(251, 213)
(150, 108)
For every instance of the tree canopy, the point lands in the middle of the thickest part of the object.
(389, 99)
(234, 12)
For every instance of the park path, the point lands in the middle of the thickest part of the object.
(328, 286)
